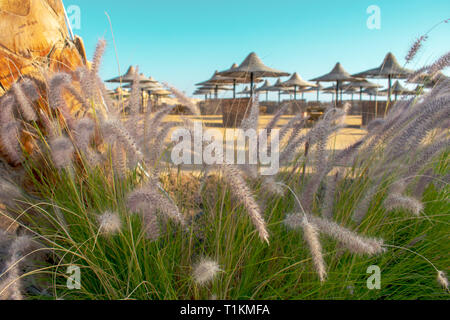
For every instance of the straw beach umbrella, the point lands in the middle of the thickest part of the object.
(374, 92)
(296, 82)
(245, 91)
(397, 89)
(389, 69)
(362, 84)
(217, 80)
(254, 67)
(338, 75)
(278, 88)
(126, 78)
(265, 87)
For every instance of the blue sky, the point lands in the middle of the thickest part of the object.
(183, 42)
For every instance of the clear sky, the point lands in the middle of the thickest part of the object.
(183, 42)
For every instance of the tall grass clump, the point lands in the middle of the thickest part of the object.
(98, 193)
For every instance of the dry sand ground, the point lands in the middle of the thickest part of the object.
(344, 138)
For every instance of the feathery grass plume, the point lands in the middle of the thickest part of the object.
(10, 141)
(396, 119)
(423, 183)
(272, 186)
(78, 97)
(320, 164)
(289, 151)
(84, 131)
(134, 103)
(147, 211)
(440, 64)
(105, 98)
(353, 242)
(48, 125)
(192, 106)
(151, 224)
(427, 154)
(98, 55)
(240, 189)
(416, 46)
(151, 195)
(311, 236)
(119, 160)
(271, 125)
(291, 124)
(109, 223)
(113, 129)
(87, 83)
(349, 239)
(11, 285)
(251, 122)
(10, 195)
(442, 279)
(62, 152)
(56, 100)
(374, 124)
(347, 155)
(317, 136)
(157, 148)
(398, 187)
(7, 106)
(152, 135)
(398, 201)
(430, 113)
(29, 89)
(205, 271)
(329, 197)
(25, 107)
(363, 206)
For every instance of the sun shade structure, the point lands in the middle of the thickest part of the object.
(374, 92)
(362, 84)
(246, 90)
(278, 88)
(397, 89)
(146, 86)
(338, 75)
(296, 82)
(254, 67)
(218, 80)
(389, 69)
(127, 77)
(265, 87)
(119, 92)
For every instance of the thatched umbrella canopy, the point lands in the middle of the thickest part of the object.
(338, 75)
(217, 80)
(253, 66)
(245, 91)
(278, 88)
(362, 84)
(374, 92)
(128, 77)
(397, 89)
(202, 92)
(296, 82)
(389, 69)
(265, 87)
(119, 93)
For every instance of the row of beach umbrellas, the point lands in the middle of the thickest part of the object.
(252, 70)
(145, 84)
